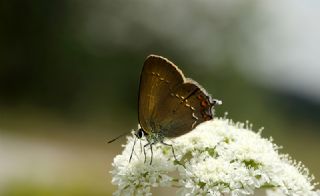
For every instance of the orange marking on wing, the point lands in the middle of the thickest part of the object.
(204, 103)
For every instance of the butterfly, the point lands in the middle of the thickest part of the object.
(170, 105)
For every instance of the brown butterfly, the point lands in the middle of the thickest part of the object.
(170, 105)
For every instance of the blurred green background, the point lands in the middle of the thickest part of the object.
(69, 76)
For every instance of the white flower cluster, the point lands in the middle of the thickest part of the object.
(219, 157)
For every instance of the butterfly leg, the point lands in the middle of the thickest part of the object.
(140, 147)
(134, 143)
(151, 153)
(144, 150)
(174, 155)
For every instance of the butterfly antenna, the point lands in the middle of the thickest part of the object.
(117, 137)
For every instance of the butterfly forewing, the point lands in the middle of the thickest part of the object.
(158, 78)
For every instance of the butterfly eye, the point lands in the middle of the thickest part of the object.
(140, 133)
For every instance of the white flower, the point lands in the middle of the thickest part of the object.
(219, 157)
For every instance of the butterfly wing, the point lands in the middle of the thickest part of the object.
(158, 79)
(185, 108)
(168, 102)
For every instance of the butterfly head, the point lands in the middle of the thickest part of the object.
(140, 133)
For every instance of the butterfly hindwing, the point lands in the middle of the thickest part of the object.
(185, 108)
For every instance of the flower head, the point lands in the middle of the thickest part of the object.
(219, 157)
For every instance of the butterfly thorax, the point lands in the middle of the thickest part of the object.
(154, 138)
(151, 137)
